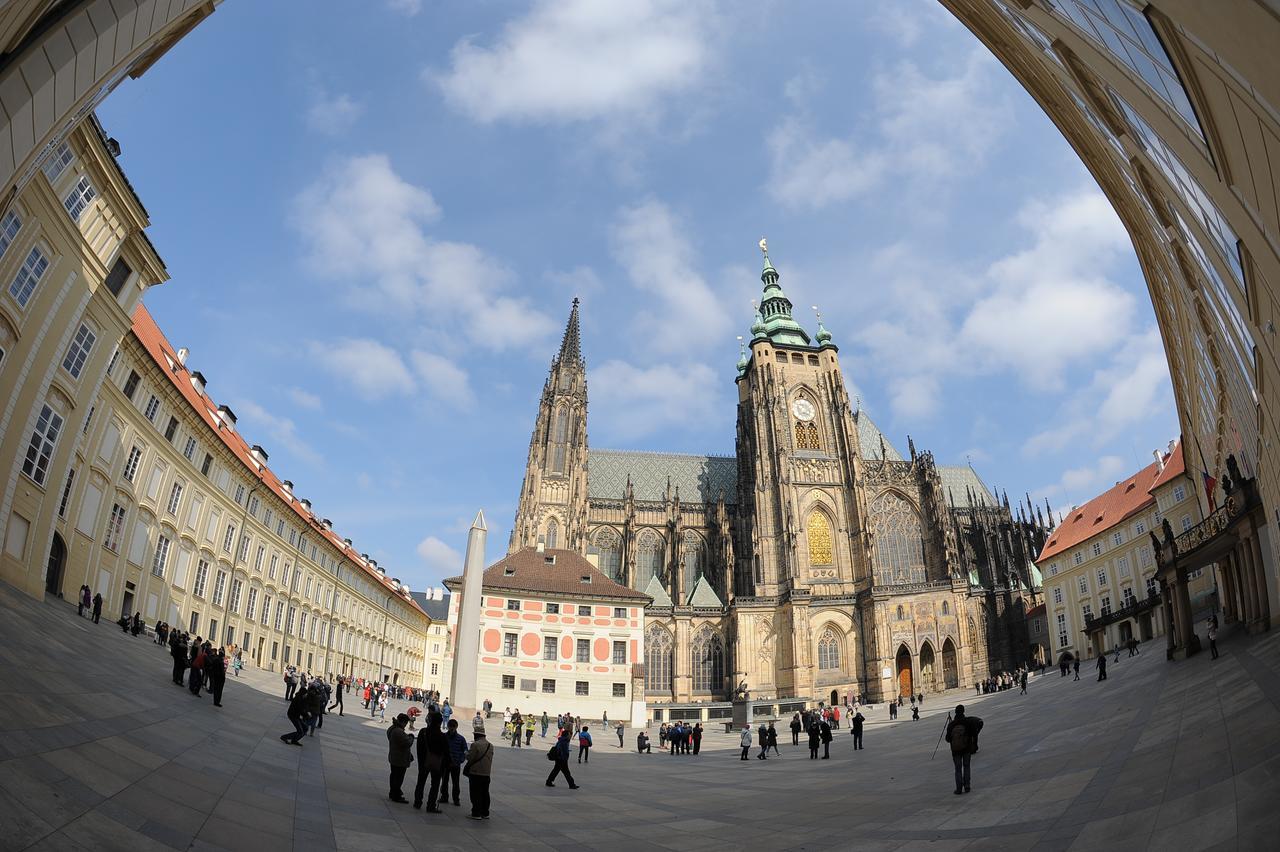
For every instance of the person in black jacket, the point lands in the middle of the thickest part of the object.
(433, 760)
(815, 737)
(338, 702)
(178, 650)
(560, 754)
(962, 734)
(795, 729)
(216, 665)
(697, 737)
(855, 728)
(824, 731)
(297, 714)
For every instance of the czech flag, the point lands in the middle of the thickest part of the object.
(1209, 484)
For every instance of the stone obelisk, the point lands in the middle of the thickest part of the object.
(467, 643)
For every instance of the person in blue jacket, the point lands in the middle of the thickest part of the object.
(584, 744)
(457, 756)
(560, 754)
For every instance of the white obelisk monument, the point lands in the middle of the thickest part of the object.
(467, 644)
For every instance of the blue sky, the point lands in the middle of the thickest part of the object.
(375, 221)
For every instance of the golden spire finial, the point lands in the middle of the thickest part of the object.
(764, 246)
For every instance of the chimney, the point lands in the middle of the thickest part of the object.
(259, 454)
(306, 504)
(365, 557)
(197, 382)
(328, 524)
(1172, 444)
(1159, 461)
(227, 416)
(347, 542)
(395, 583)
(182, 355)
(542, 546)
(287, 487)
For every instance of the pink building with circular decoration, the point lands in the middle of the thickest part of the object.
(557, 635)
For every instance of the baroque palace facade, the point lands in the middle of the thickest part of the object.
(129, 478)
(817, 562)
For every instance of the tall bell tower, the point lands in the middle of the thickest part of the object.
(553, 498)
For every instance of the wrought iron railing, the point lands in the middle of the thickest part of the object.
(1139, 605)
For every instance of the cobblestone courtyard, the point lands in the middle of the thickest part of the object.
(100, 751)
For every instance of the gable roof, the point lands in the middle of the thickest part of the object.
(551, 571)
(699, 478)
(869, 436)
(657, 592)
(1118, 503)
(437, 609)
(166, 360)
(959, 481)
(703, 595)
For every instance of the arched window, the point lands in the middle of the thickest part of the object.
(693, 559)
(708, 662)
(901, 612)
(819, 531)
(649, 553)
(559, 441)
(899, 548)
(609, 545)
(829, 650)
(946, 608)
(657, 660)
(553, 533)
(807, 436)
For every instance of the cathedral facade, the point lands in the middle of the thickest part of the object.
(817, 562)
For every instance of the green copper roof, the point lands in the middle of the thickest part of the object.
(656, 591)
(775, 309)
(704, 596)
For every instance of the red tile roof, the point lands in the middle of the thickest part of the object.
(529, 570)
(1123, 500)
(166, 359)
(1038, 609)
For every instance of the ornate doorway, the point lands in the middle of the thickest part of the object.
(57, 562)
(950, 671)
(905, 684)
(928, 680)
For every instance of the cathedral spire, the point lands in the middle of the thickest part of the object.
(775, 308)
(571, 343)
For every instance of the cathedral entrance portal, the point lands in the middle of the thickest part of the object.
(927, 679)
(905, 685)
(950, 672)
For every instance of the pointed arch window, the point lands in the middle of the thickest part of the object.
(899, 546)
(819, 533)
(609, 545)
(693, 558)
(559, 441)
(657, 660)
(829, 651)
(708, 662)
(807, 436)
(553, 533)
(649, 554)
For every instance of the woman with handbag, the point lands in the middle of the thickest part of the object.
(477, 770)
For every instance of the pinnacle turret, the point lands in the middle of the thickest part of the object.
(571, 343)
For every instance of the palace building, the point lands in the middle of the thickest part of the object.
(816, 562)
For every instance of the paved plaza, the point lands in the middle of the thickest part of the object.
(101, 751)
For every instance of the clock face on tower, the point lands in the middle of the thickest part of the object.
(802, 409)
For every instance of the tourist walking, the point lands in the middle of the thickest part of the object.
(216, 665)
(1023, 681)
(824, 730)
(763, 740)
(773, 739)
(696, 736)
(83, 603)
(745, 740)
(399, 755)
(1213, 641)
(528, 729)
(196, 678)
(1075, 667)
(1102, 667)
(97, 607)
(915, 713)
(178, 650)
(545, 722)
(795, 729)
(290, 682)
(815, 738)
(560, 754)
(338, 699)
(457, 757)
(962, 734)
(477, 723)
(1133, 647)
(620, 731)
(478, 769)
(855, 728)
(433, 757)
(584, 744)
(893, 710)
(517, 729)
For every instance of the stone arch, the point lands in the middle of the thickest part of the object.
(928, 668)
(658, 647)
(693, 559)
(650, 552)
(608, 544)
(903, 668)
(950, 665)
(830, 651)
(553, 533)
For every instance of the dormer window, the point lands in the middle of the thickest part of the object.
(586, 578)
(508, 572)
(550, 560)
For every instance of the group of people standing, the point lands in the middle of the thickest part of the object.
(94, 604)
(204, 666)
(680, 737)
(444, 757)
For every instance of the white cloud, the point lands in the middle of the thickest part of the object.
(650, 244)
(581, 59)
(630, 402)
(445, 380)
(808, 172)
(366, 226)
(439, 557)
(304, 399)
(332, 113)
(282, 430)
(408, 8)
(372, 369)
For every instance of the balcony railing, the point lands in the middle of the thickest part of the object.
(1138, 607)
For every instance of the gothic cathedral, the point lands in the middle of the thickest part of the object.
(817, 562)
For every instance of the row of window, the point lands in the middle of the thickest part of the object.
(550, 645)
(513, 605)
(580, 687)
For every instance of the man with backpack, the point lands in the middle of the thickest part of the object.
(962, 734)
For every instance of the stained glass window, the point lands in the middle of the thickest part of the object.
(553, 533)
(819, 539)
(609, 545)
(657, 660)
(899, 548)
(708, 662)
(829, 650)
(693, 557)
(649, 553)
(559, 438)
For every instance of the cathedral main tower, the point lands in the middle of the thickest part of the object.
(553, 498)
